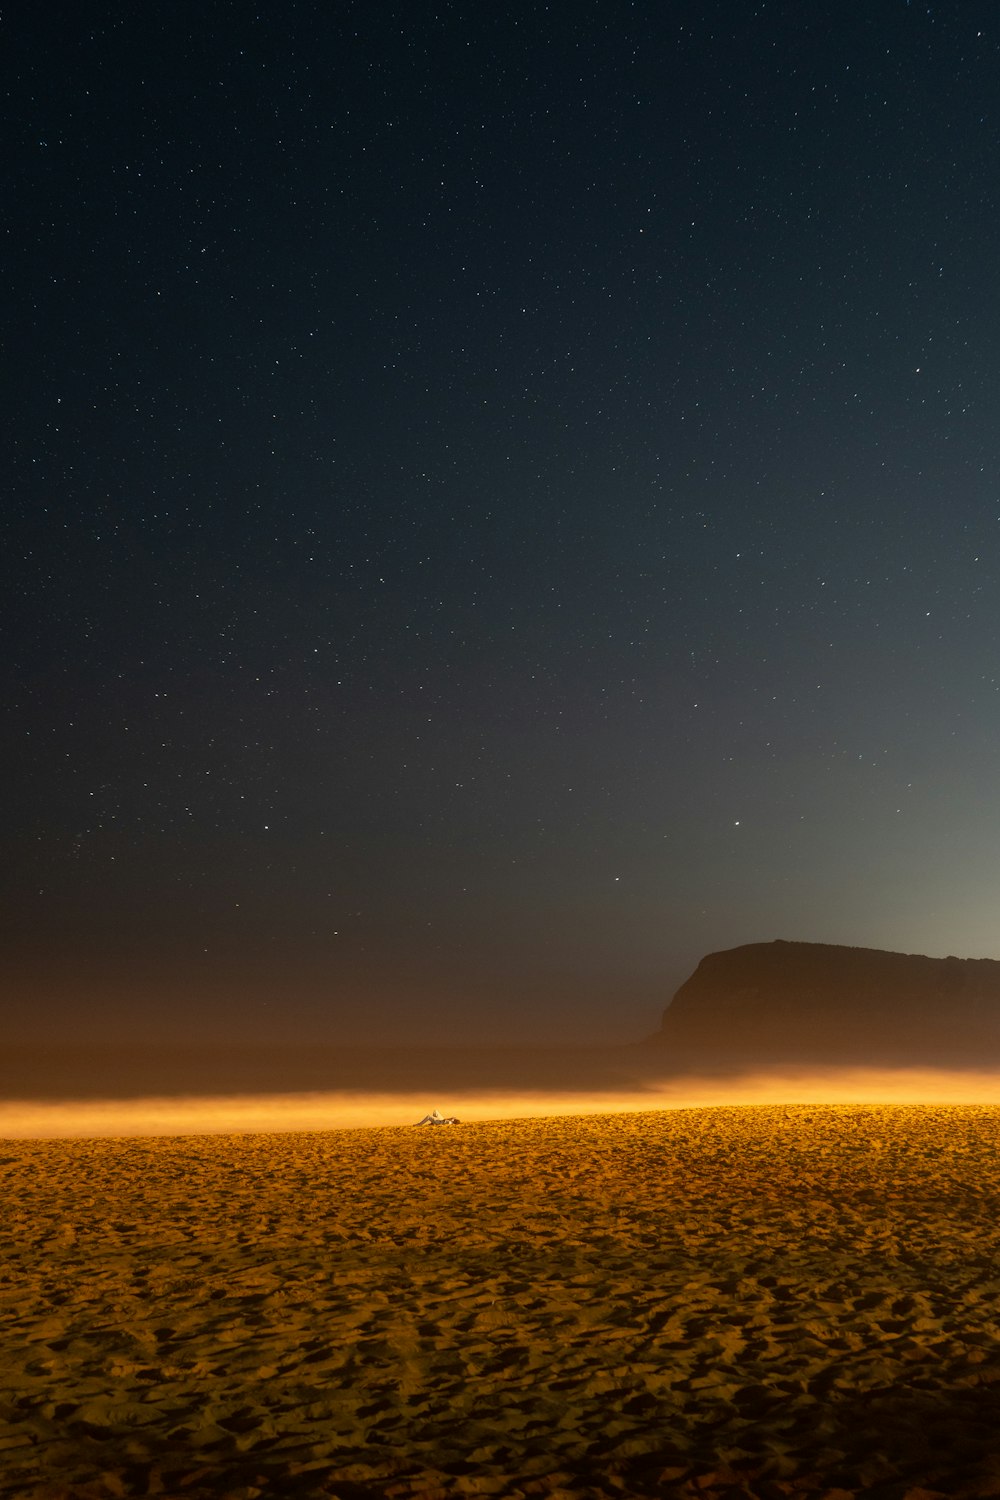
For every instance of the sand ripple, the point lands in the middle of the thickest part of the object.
(723, 1302)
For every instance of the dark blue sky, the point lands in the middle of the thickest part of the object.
(501, 502)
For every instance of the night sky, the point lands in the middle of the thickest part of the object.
(500, 502)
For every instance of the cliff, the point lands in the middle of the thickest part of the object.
(816, 1003)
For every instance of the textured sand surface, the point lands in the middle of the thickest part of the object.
(750, 1301)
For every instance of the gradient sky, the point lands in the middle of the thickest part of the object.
(501, 501)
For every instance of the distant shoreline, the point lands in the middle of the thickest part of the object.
(311, 1111)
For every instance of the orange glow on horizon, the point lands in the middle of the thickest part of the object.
(271, 1113)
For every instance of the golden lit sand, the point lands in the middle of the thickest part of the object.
(740, 1301)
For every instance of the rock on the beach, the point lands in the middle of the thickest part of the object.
(817, 1002)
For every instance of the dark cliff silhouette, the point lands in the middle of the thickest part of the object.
(817, 1003)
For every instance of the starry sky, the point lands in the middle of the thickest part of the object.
(501, 501)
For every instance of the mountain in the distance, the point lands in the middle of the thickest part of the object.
(818, 1003)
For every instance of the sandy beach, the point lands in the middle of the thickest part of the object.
(731, 1301)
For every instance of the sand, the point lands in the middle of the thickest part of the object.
(744, 1301)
